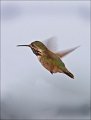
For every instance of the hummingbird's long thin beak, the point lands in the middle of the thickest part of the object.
(23, 45)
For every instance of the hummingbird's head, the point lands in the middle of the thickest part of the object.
(37, 47)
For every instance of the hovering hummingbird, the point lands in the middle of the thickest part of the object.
(50, 60)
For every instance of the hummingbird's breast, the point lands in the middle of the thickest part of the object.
(49, 64)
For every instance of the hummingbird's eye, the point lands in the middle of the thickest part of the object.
(32, 45)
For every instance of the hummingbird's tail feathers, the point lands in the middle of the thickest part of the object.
(66, 52)
(69, 74)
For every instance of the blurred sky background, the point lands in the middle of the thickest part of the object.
(28, 90)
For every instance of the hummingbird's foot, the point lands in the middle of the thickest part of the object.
(51, 72)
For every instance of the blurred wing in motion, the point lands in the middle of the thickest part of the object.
(51, 43)
(66, 52)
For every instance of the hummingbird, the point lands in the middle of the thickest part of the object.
(50, 60)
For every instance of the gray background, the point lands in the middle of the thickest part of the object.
(27, 89)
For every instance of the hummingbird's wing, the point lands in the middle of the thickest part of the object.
(51, 43)
(66, 52)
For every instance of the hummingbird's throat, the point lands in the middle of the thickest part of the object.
(36, 51)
